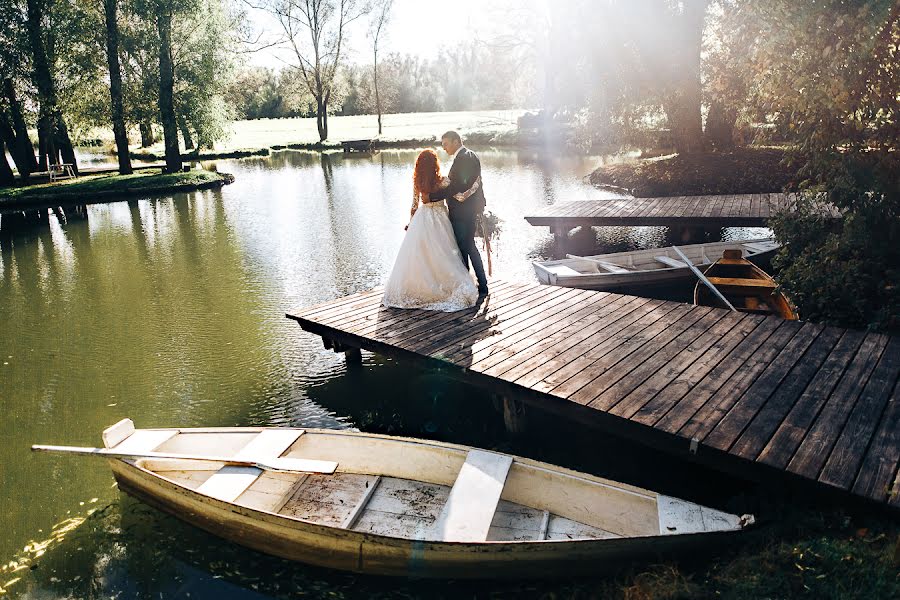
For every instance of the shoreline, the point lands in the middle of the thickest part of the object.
(106, 188)
(748, 170)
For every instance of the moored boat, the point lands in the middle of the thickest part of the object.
(747, 287)
(635, 268)
(398, 506)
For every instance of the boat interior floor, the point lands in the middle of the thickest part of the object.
(377, 504)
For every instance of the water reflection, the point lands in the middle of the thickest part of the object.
(171, 311)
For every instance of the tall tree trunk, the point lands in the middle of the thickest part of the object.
(115, 87)
(167, 90)
(6, 173)
(185, 133)
(684, 106)
(56, 132)
(13, 144)
(377, 97)
(720, 123)
(147, 137)
(22, 145)
(322, 119)
(45, 144)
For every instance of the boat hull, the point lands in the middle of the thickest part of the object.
(361, 552)
(649, 276)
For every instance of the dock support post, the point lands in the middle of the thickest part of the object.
(353, 356)
(560, 234)
(513, 415)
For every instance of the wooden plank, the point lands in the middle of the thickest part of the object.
(540, 334)
(144, 440)
(737, 282)
(116, 434)
(721, 393)
(602, 373)
(467, 515)
(880, 466)
(515, 360)
(462, 340)
(545, 523)
(575, 361)
(351, 519)
(820, 438)
(232, 481)
(670, 397)
(650, 358)
(783, 443)
(842, 466)
(516, 308)
(550, 359)
(745, 407)
(767, 419)
(662, 368)
(229, 482)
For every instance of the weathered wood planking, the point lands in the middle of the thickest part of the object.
(758, 395)
(743, 210)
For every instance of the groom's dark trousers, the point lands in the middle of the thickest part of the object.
(465, 170)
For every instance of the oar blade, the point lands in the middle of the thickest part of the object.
(304, 465)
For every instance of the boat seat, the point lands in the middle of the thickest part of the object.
(671, 262)
(470, 507)
(231, 481)
(760, 246)
(611, 267)
(762, 284)
(564, 270)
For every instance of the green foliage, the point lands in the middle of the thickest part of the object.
(832, 71)
(144, 181)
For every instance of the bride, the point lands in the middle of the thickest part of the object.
(429, 272)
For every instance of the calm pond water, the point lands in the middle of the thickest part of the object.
(170, 311)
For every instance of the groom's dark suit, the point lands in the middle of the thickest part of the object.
(465, 170)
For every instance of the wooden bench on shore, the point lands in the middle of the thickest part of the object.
(61, 171)
(351, 146)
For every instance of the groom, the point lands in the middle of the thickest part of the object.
(463, 211)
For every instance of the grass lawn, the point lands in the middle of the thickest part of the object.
(91, 186)
(265, 133)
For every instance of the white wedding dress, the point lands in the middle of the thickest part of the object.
(429, 272)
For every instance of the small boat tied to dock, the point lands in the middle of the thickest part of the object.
(644, 268)
(747, 287)
(399, 506)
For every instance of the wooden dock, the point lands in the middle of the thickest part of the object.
(752, 395)
(742, 210)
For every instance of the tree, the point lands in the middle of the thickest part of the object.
(53, 134)
(377, 29)
(164, 10)
(117, 103)
(315, 31)
(14, 65)
(830, 72)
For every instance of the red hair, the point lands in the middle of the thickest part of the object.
(427, 174)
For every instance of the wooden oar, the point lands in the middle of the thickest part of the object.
(703, 278)
(268, 464)
(599, 263)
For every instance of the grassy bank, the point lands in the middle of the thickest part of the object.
(743, 171)
(90, 188)
(257, 137)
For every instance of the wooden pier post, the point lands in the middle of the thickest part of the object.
(560, 234)
(513, 415)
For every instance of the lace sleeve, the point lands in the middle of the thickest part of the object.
(415, 203)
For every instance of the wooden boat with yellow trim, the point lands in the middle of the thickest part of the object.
(746, 286)
(398, 506)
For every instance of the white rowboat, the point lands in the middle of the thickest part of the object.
(400, 506)
(656, 266)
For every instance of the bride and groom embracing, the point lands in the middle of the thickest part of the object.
(432, 268)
